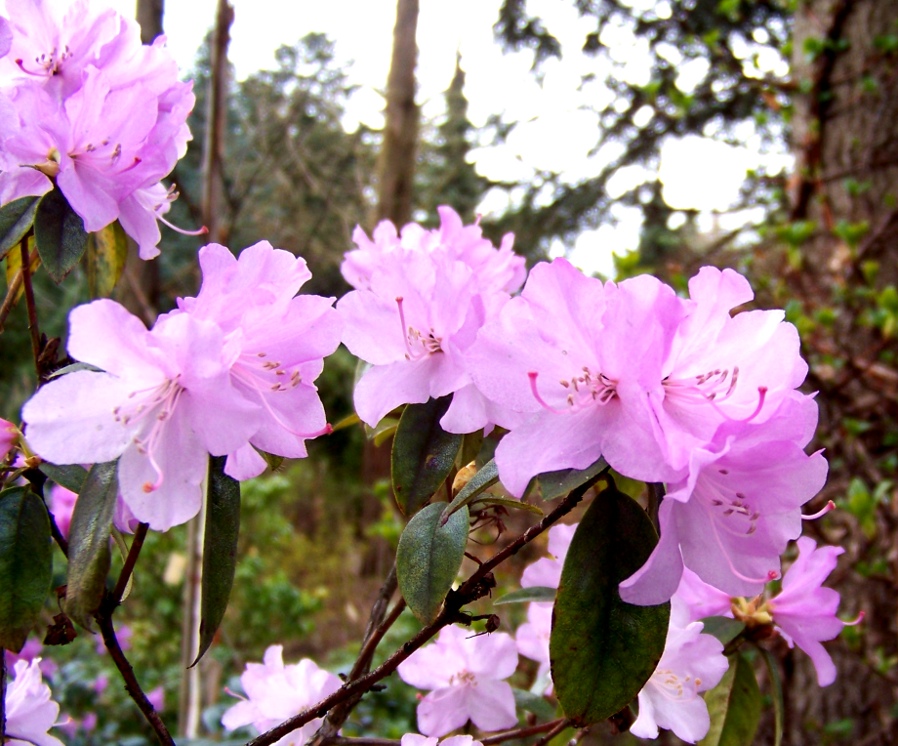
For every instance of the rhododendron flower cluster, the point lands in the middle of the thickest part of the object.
(30, 712)
(275, 692)
(666, 389)
(466, 677)
(225, 373)
(420, 300)
(88, 107)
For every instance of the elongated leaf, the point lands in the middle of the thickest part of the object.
(107, 250)
(428, 559)
(603, 650)
(60, 234)
(15, 220)
(423, 454)
(482, 480)
(554, 484)
(219, 550)
(26, 564)
(525, 595)
(89, 555)
(779, 706)
(735, 706)
(539, 706)
(70, 476)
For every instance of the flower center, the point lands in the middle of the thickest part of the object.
(463, 678)
(585, 388)
(47, 64)
(675, 688)
(417, 343)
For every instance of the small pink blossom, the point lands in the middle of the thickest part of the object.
(804, 611)
(276, 692)
(62, 503)
(30, 712)
(692, 663)
(466, 677)
(532, 637)
(89, 108)
(9, 434)
(546, 572)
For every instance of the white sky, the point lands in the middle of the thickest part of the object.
(556, 133)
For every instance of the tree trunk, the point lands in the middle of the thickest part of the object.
(140, 287)
(845, 136)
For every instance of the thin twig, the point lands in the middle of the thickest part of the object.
(104, 619)
(516, 733)
(125, 575)
(473, 588)
(562, 724)
(2, 695)
(29, 302)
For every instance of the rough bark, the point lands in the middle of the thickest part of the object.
(845, 136)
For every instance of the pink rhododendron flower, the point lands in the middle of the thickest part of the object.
(87, 106)
(416, 739)
(628, 371)
(9, 433)
(189, 387)
(277, 340)
(546, 572)
(30, 712)
(732, 516)
(62, 503)
(691, 663)
(466, 676)
(276, 692)
(532, 637)
(804, 611)
(493, 269)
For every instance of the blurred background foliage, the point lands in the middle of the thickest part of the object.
(316, 541)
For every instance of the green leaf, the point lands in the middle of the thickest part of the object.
(16, 219)
(723, 628)
(423, 454)
(482, 480)
(537, 593)
(89, 555)
(70, 476)
(107, 250)
(219, 550)
(779, 705)
(530, 702)
(603, 650)
(428, 559)
(557, 483)
(59, 231)
(26, 564)
(735, 706)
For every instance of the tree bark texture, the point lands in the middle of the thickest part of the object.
(845, 137)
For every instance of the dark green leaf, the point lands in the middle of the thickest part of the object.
(554, 484)
(107, 250)
(89, 555)
(735, 706)
(26, 564)
(534, 593)
(59, 231)
(482, 480)
(779, 706)
(423, 454)
(602, 649)
(219, 550)
(15, 220)
(70, 476)
(530, 702)
(428, 559)
(723, 628)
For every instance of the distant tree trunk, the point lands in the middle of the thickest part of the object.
(191, 702)
(396, 169)
(845, 136)
(139, 288)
